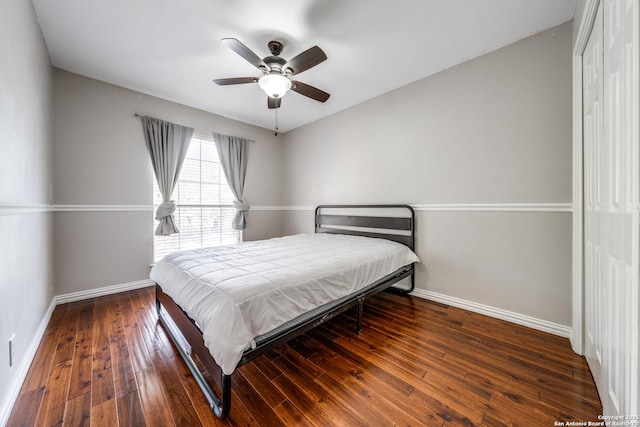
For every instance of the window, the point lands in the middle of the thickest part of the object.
(204, 202)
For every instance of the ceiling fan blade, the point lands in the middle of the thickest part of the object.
(310, 91)
(239, 48)
(273, 102)
(307, 59)
(235, 81)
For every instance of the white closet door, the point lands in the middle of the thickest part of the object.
(593, 92)
(611, 193)
(620, 70)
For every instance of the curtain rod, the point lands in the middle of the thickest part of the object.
(142, 115)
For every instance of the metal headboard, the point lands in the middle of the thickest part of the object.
(368, 221)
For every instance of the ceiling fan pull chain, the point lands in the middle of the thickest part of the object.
(276, 113)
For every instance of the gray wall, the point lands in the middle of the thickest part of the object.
(26, 286)
(494, 130)
(103, 180)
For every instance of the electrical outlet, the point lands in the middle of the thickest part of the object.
(11, 355)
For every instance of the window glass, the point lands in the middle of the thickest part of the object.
(204, 203)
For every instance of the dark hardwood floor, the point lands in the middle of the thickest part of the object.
(108, 362)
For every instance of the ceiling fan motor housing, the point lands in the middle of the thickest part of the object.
(275, 62)
(275, 47)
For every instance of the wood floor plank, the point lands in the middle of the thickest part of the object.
(77, 411)
(267, 368)
(261, 410)
(51, 410)
(101, 345)
(368, 414)
(124, 376)
(180, 406)
(104, 414)
(154, 403)
(102, 386)
(464, 397)
(42, 362)
(182, 410)
(108, 361)
(304, 403)
(138, 352)
(369, 360)
(85, 319)
(375, 397)
(331, 363)
(67, 339)
(204, 412)
(130, 410)
(240, 415)
(262, 384)
(291, 416)
(306, 376)
(82, 368)
(25, 410)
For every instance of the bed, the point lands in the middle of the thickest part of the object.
(228, 305)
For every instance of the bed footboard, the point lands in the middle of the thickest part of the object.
(194, 344)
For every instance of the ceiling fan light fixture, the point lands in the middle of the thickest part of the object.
(274, 85)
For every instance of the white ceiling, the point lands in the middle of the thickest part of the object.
(172, 48)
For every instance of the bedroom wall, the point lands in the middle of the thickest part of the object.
(103, 179)
(483, 152)
(26, 278)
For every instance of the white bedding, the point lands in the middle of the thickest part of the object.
(236, 293)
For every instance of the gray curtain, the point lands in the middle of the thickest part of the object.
(233, 158)
(167, 144)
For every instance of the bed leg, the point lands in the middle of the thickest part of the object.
(360, 313)
(413, 281)
(222, 409)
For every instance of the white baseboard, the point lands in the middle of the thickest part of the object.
(509, 316)
(108, 290)
(25, 364)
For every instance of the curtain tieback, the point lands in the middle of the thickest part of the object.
(240, 206)
(165, 209)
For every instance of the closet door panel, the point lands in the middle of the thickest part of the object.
(610, 117)
(595, 281)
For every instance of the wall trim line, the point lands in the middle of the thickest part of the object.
(496, 207)
(455, 207)
(509, 316)
(23, 208)
(102, 208)
(15, 209)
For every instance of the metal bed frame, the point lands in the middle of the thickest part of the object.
(188, 338)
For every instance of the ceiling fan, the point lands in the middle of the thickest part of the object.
(276, 71)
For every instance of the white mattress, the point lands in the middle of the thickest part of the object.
(236, 293)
